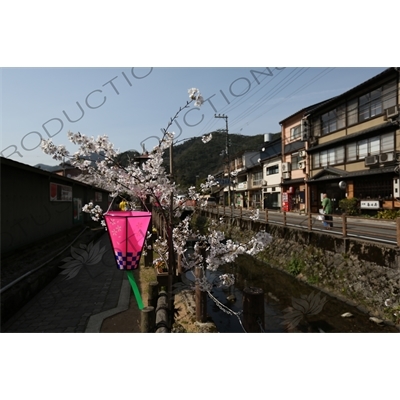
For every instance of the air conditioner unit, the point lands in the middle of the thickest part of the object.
(286, 175)
(304, 130)
(302, 153)
(392, 112)
(313, 141)
(371, 160)
(301, 164)
(285, 167)
(264, 182)
(386, 157)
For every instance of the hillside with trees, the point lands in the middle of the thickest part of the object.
(194, 160)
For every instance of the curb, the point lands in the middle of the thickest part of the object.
(95, 321)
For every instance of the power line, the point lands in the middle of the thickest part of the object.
(239, 100)
(291, 95)
(268, 96)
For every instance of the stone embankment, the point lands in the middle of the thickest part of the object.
(365, 274)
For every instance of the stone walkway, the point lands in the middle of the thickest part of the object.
(92, 289)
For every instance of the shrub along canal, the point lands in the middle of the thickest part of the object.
(290, 305)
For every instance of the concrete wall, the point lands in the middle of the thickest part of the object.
(27, 213)
(365, 273)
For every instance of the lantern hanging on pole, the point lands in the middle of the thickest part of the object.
(127, 231)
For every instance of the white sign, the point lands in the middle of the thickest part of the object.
(370, 204)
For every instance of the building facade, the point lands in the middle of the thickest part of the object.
(36, 204)
(245, 178)
(354, 145)
(271, 160)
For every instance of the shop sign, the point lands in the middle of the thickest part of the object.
(370, 204)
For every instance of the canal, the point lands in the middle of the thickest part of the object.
(290, 305)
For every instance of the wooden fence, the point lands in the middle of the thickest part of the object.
(377, 230)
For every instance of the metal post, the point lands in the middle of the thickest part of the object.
(398, 231)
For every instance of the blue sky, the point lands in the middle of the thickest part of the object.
(181, 34)
(132, 105)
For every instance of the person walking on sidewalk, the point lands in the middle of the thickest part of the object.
(327, 207)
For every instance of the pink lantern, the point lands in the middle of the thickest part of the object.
(127, 230)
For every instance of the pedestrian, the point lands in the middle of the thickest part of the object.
(327, 208)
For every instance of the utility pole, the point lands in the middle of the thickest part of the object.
(227, 154)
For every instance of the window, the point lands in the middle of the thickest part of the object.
(389, 94)
(352, 112)
(60, 192)
(375, 145)
(387, 142)
(257, 178)
(316, 128)
(370, 105)
(334, 120)
(351, 152)
(375, 102)
(328, 157)
(315, 160)
(362, 148)
(295, 132)
(341, 116)
(339, 155)
(323, 158)
(328, 122)
(274, 169)
(365, 188)
(295, 161)
(359, 109)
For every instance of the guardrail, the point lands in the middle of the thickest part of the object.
(384, 231)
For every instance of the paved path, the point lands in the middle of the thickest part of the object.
(79, 301)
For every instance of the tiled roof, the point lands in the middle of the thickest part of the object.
(329, 173)
(308, 109)
(353, 90)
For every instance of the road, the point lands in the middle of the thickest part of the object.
(377, 230)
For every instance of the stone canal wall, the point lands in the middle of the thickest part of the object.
(365, 273)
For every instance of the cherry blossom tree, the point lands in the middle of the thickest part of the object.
(151, 180)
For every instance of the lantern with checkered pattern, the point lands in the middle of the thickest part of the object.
(127, 230)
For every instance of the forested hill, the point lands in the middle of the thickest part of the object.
(194, 158)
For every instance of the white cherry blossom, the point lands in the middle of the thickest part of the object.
(150, 179)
